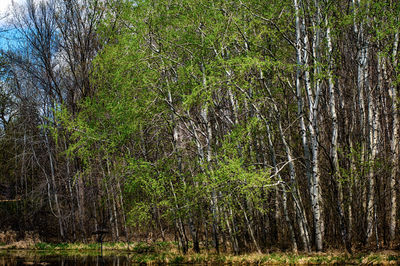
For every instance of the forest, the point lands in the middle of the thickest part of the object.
(226, 125)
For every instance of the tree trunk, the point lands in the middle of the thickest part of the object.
(54, 185)
(333, 151)
(394, 146)
(373, 141)
(283, 189)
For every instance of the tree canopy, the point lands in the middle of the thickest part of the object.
(232, 125)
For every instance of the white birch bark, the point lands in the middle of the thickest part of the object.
(373, 142)
(313, 105)
(394, 146)
(312, 167)
(362, 88)
(334, 142)
(300, 108)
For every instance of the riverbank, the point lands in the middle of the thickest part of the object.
(167, 252)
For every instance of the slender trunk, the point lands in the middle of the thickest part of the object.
(54, 185)
(207, 122)
(113, 201)
(234, 107)
(48, 183)
(394, 146)
(249, 227)
(300, 211)
(351, 188)
(122, 209)
(96, 224)
(71, 193)
(24, 183)
(109, 209)
(79, 201)
(283, 189)
(362, 88)
(179, 224)
(231, 230)
(313, 102)
(176, 144)
(300, 105)
(372, 125)
(333, 151)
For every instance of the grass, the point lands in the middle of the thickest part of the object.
(167, 252)
(89, 246)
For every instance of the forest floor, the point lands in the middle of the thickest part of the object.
(167, 252)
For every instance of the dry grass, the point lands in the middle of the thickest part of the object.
(168, 252)
(8, 237)
(9, 240)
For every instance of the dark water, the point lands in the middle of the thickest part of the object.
(12, 259)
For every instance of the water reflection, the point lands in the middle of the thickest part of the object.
(15, 258)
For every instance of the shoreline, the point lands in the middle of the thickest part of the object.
(167, 252)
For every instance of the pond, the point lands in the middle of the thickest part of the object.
(17, 257)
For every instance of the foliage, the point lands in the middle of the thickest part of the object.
(224, 125)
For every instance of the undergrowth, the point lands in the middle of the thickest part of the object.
(168, 252)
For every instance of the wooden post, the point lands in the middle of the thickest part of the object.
(100, 235)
